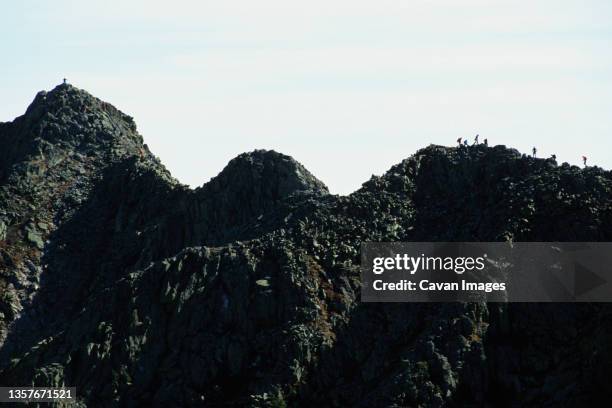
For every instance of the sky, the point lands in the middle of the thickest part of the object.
(348, 88)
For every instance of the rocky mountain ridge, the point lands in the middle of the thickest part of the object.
(118, 280)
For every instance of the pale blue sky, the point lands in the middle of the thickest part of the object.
(348, 88)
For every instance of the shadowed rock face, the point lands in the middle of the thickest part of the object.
(118, 280)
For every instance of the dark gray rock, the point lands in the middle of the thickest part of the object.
(3, 229)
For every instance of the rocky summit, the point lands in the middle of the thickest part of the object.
(139, 291)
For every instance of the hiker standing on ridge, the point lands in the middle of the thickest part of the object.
(534, 151)
(584, 160)
(459, 141)
(476, 140)
(465, 143)
(486, 142)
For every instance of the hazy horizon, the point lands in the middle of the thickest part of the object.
(346, 88)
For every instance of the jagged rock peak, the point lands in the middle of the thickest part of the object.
(267, 171)
(67, 122)
(69, 115)
(66, 98)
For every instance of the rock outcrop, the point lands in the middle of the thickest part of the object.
(118, 280)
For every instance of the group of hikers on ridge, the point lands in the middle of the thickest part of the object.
(464, 143)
